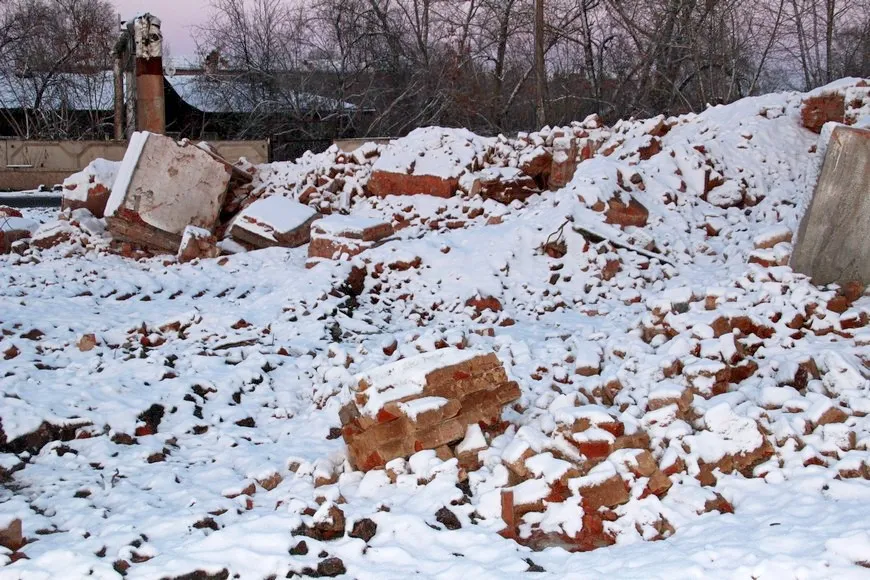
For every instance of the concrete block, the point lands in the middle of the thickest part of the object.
(162, 187)
(832, 240)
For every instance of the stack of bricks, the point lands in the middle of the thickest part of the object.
(423, 402)
(338, 237)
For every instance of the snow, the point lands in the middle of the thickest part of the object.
(421, 405)
(8, 224)
(125, 171)
(252, 356)
(275, 214)
(404, 378)
(436, 151)
(345, 225)
(97, 172)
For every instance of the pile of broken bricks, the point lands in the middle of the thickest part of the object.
(425, 402)
(178, 197)
(451, 401)
(183, 198)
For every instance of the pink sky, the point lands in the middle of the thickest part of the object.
(177, 17)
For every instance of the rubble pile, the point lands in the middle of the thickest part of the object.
(598, 372)
(424, 402)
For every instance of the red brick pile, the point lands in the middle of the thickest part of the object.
(337, 236)
(425, 402)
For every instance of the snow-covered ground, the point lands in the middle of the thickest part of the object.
(199, 402)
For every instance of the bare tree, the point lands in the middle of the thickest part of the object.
(57, 89)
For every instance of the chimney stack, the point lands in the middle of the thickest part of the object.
(150, 101)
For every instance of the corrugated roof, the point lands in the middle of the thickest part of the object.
(210, 94)
(72, 91)
(235, 94)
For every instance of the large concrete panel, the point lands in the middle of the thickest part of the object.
(168, 186)
(833, 243)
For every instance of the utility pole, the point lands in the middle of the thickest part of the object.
(540, 67)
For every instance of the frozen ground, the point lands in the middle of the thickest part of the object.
(185, 415)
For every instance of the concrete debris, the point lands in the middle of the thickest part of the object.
(831, 243)
(273, 221)
(161, 188)
(424, 402)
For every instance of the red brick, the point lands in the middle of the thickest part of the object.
(383, 183)
(820, 109)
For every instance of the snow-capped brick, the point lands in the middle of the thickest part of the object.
(707, 377)
(468, 450)
(324, 524)
(854, 464)
(503, 184)
(536, 163)
(583, 417)
(91, 187)
(640, 463)
(9, 212)
(825, 412)
(423, 402)
(14, 228)
(52, 234)
(778, 255)
(551, 469)
(730, 443)
(667, 393)
(728, 194)
(427, 161)
(342, 237)
(274, 221)
(161, 188)
(197, 243)
(594, 443)
(771, 236)
(601, 487)
(352, 227)
(564, 162)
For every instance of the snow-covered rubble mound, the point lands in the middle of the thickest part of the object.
(678, 381)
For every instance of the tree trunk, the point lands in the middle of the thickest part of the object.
(540, 66)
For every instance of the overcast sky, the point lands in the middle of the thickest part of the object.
(177, 17)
